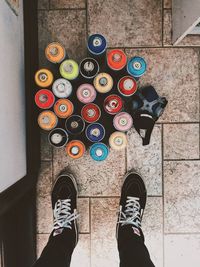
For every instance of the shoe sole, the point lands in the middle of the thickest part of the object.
(76, 187)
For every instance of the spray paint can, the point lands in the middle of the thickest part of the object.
(91, 113)
(75, 125)
(89, 68)
(95, 132)
(43, 78)
(96, 44)
(75, 149)
(103, 83)
(69, 69)
(44, 99)
(136, 67)
(62, 88)
(47, 120)
(86, 93)
(58, 137)
(118, 140)
(55, 52)
(113, 104)
(116, 59)
(99, 151)
(123, 121)
(63, 108)
(127, 86)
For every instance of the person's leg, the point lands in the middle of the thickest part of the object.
(64, 236)
(132, 250)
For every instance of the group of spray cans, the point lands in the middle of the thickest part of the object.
(85, 105)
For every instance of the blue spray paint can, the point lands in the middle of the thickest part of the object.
(95, 132)
(99, 152)
(136, 67)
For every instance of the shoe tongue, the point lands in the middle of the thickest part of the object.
(58, 231)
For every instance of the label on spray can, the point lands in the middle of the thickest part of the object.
(47, 120)
(55, 52)
(103, 82)
(58, 137)
(44, 99)
(123, 121)
(44, 78)
(91, 113)
(136, 67)
(127, 86)
(95, 132)
(96, 44)
(62, 88)
(99, 152)
(86, 93)
(118, 140)
(69, 69)
(113, 104)
(63, 108)
(75, 149)
(116, 59)
(75, 124)
(89, 68)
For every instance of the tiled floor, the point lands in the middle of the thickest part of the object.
(170, 165)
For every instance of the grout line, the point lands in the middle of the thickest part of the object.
(181, 159)
(185, 233)
(113, 197)
(152, 47)
(86, 17)
(162, 30)
(163, 212)
(45, 160)
(199, 104)
(178, 122)
(90, 226)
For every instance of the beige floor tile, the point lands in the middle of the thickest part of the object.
(93, 178)
(147, 160)
(81, 254)
(189, 40)
(44, 215)
(84, 217)
(65, 26)
(42, 240)
(44, 184)
(46, 148)
(133, 23)
(182, 196)
(103, 224)
(182, 250)
(54, 4)
(172, 72)
(181, 141)
(152, 225)
(43, 4)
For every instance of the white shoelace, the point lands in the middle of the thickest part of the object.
(132, 214)
(62, 214)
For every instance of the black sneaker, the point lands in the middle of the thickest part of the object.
(64, 205)
(132, 205)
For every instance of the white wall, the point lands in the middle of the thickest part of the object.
(12, 101)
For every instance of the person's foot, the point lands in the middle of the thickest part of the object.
(64, 205)
(132, 205)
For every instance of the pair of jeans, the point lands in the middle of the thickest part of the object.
(59, 249)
